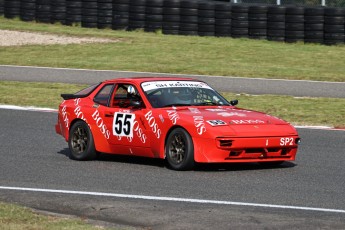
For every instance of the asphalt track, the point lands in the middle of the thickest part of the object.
(229, 84)
(130, 192)
(141, 193)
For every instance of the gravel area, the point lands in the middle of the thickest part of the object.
(16, 38)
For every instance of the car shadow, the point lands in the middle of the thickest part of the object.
(240, 166)
(212, 167)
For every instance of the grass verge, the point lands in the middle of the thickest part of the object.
(296, 110)
(154, 52)
(16, 217)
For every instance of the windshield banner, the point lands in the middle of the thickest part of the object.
(147, 86)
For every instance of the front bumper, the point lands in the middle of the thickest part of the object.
(245, 149)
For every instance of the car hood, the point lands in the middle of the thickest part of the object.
(235, 121)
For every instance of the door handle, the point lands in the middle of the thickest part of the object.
(109, 115)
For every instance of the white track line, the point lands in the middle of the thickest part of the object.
(168, 74)
(175, 199)
(48, 110)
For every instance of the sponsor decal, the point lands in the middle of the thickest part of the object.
(100, 124)
(171, 84)
(153, 124)
(226, 114)
(216, 122)
(123, 124)
(64, 116)
(161, 117)
(216, 110)
(139, 132)
(246, 122)
(199, 124)
(194, 110)
(173, 116)
(286, 141)
(77, 111)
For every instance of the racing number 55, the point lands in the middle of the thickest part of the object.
(123, 124)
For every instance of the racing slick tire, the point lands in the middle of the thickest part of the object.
(81, 143)
(179, 150)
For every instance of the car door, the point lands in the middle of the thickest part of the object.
(125, 121)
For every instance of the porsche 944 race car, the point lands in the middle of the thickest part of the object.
(181, 120)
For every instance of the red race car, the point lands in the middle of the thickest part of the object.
(181, 120)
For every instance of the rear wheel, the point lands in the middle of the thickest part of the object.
(81, 143)
(179, 150)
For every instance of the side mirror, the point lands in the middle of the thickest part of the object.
(234, 102)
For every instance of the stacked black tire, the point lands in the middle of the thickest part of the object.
(153, 15)
(314, 25)
(294, 26)
(137, 10)
(2, 7)
(334, 26)
(120, 14)
(239, 21)
(206, 18)
(105, 14)
(28, 10)
(188, 17)
(58, 11)
(73, 12)
(276, 23)
(12, 8)
(257, 22)
(223, 19)
(171, 17)
(89, 14)
(43, 13)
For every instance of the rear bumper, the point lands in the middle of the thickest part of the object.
(58, 129)
(246, 149)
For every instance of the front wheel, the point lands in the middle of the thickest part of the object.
(81, 142)
(179, 150)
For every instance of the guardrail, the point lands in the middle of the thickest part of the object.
(325, 25)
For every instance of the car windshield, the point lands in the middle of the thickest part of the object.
(181, 93)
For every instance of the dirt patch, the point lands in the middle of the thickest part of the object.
(17, 38)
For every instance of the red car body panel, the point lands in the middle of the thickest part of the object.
(221, 133)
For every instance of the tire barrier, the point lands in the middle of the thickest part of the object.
(43, 11)
(171, 17)
(105, 14)
(120, 15)
(12, 8)
(239, 21)
(28, 10)
(73, 12)
(2, 7)
(257, 27)
(276, 23)
(324, 25)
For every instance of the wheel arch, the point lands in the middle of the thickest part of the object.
(167, 135)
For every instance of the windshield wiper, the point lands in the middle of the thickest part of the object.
(206, 103)
(176, 104)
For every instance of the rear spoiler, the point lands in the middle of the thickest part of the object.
(67, 96)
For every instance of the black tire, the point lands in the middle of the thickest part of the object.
(179, 150)
(314, 11)
(81, 143)
(276, 10)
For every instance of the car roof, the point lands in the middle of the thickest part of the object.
(146, 79)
